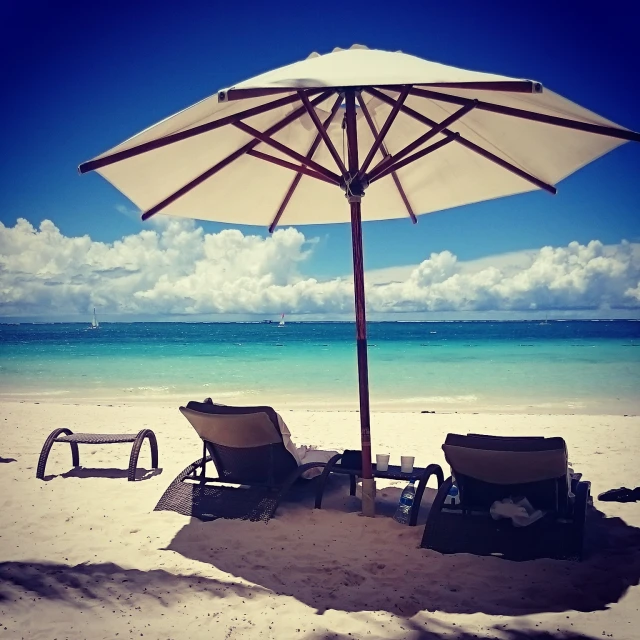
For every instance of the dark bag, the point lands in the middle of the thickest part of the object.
(352, 459)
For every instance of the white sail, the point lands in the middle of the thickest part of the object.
(281, 323)
(94, 321)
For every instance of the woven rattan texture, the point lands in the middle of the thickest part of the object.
(207, 502)
(98, 438)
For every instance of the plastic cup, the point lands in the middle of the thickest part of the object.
(406, 463)
(382, 461)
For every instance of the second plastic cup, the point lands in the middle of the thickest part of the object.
(382, 461)
(406, 463)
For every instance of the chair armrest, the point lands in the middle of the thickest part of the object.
(431, 470)
(329, 466)
(309, 465)
(436, 507)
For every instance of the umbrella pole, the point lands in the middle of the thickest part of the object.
(355, 190)
(368, 486)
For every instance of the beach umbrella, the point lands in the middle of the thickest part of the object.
(287, 146)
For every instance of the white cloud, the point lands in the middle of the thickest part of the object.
(174, 268)
(575, 277)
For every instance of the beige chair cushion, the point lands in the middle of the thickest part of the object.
(241, 431)
(507, 467)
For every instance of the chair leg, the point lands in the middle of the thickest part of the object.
(436, 507)
(135, 452)
(190, 473)
(203, 473)
(322, 481)
(580, 515)
(46, 449)
(353, 481)
(295, 475)
(432, 469)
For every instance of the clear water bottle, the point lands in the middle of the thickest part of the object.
(403, 511)
(453, 497)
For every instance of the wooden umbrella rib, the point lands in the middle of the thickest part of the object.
(379, 139)
(322, 131)
(503, 86)
(468, 144)
(289, 165)
(145, 147)
(296, 181)
(416, 156)
(285, 201)
(294, 115)
(509, 86)
(382, 166)
(506, 165)
(267, 139)
(231, 95)
(612, 132)
(385, 154)
(403, 195)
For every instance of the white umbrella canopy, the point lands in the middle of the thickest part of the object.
(455, 175)
(286, 146)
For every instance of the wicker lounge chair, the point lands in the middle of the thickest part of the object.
(254, 469)
(491, 468)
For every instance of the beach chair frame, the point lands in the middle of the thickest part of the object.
(74, 439)
(468, 526)
(246, 459)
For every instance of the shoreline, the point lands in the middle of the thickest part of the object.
(609, 407)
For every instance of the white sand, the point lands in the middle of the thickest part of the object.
(83, 554)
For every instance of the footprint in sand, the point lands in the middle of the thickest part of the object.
(374, 568)
(340, 576)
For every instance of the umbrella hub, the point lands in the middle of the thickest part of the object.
(353, 186)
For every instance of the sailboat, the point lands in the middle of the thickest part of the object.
(94, 321)
(281, 323)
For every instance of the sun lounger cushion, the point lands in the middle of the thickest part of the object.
(506, 461)
(248, 427)
(240, 431)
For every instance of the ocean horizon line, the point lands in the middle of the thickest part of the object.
(270, 321)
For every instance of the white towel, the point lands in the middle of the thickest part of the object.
(303, 454)
(518, 510)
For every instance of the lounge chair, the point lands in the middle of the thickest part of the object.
(254, 468)
(489, 469)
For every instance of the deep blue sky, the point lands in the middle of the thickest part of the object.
(80, 77)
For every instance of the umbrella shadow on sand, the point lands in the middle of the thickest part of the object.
(327, 560)
(416, 632)
(82, 586)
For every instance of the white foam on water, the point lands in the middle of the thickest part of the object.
(61, 392)
(230, 394)
(442, 399)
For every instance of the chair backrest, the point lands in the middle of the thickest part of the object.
(490, 468)
(245, 443)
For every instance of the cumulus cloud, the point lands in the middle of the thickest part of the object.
(576, 277)
(175, 268)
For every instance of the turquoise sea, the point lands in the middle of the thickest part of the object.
(548, 367)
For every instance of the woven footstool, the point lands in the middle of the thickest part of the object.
(74, 439)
